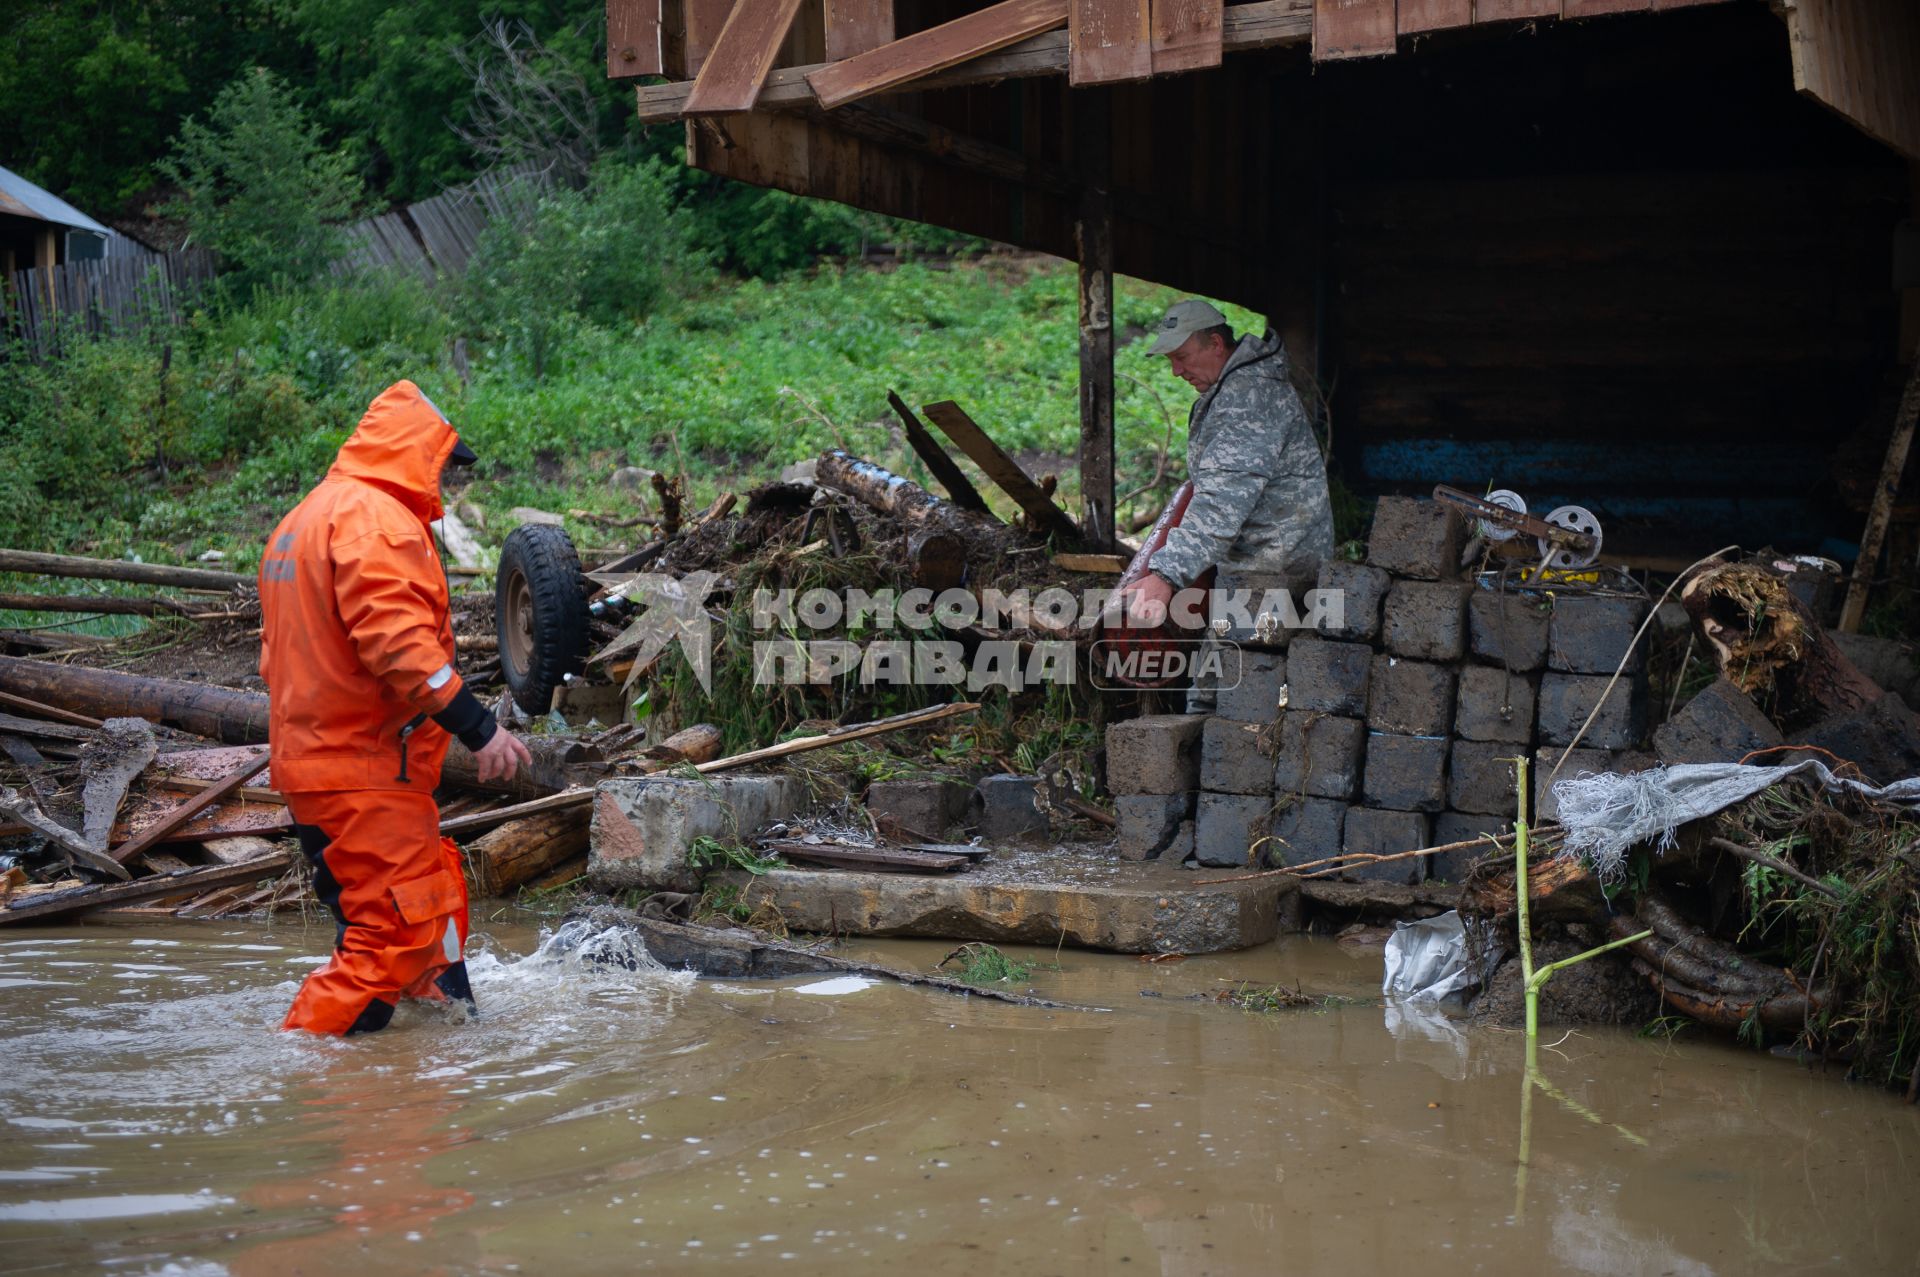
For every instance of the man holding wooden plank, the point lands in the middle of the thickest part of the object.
(1260, 501)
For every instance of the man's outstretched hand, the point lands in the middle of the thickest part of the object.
(501, 757)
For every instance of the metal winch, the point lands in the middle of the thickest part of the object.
(1568, 538)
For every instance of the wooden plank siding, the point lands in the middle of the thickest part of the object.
(1186, 35)
(1514, 10)
(935, 49)
(1600, 8)
(1108, 41)
(1417, 16)
(633, 38)
(701, 24)
(855, 26)
(1862, 59)
(741, 57)
(1352, 29)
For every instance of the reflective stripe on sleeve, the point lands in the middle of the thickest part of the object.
(440, 677)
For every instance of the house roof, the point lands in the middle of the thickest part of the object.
(21, 198)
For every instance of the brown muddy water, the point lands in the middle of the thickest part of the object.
(597, 1119)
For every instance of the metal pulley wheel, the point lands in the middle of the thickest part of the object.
(1573, 518)
(1506, 499)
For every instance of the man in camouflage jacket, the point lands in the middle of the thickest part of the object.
(1259, 484)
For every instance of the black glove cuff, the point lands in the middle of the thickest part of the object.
(468, 720)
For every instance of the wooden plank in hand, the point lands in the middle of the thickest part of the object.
(854, 26)
(740, 59)
(1353, 29)
(935, 49)
(158, 832)
(633, 38)
(154, 888)
(1187, 35)
(1108, 41)
(959, 488)
(1417, 16)
(1048, 518)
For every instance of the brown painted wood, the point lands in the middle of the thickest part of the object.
(633, 38)
(700, 25)
(935, 49)
(1048, 518)
(960, 489)
(1597, 8)
(882, 859)
(855, 26)
(1352, 29)
(1187, 35)
(1514, 10)
(158, 832)
(52, 712)
(196, 880)
(741, 57)
(1108, 41)
(1433, 15)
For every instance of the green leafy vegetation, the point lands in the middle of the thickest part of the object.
(712, 853)
(981, 964)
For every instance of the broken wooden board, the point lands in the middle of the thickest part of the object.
(1187, 35)
(165, 825)
(1353, 29)
(57, 904)
(966, 849)
(26, 811)
(111, 761)
(877, 859)
(960, 489)
(1108, 41)
(935, 49)
(1109, 563)
(53, 712)
(741, 57)
(1047, 518)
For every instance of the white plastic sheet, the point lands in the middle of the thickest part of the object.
(1427, 960)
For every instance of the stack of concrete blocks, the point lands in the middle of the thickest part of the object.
(1401, 724)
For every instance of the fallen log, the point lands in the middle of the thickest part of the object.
(31, 563)
(1766, 643)
(1708, 980)
(95, 604)
(59, 904)
(939, 532)
(518, 852)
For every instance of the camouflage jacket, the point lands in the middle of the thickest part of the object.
(1259, 484)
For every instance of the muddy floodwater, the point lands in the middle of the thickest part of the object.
(598, 1119)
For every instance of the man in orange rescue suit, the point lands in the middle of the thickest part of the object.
(358, 658)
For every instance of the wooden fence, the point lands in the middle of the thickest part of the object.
(131, 293)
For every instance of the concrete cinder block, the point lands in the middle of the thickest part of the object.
(1256, 698)
(1150, 824)
(1509, 630)
(1319, 755)
(1232, 760)
(1416, 538)
(1580, 762)
(1480, 777)
(1362, 589)
(1253, 608)
(1567, 699)
(1495, 705)
(1592, 633)
(1384, 833)
(918, 809)
(644, 826)
(1720, 725)
(1460, 826)
(1328, 677)
(1304, 830)
(1227, 825)
(1411, 698)
(1882, 739)
(1157, 754)
(1003, 809)
(1406, 773)
(1426, 620)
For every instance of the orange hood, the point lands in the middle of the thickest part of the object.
(400, 447)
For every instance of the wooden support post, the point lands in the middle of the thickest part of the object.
(1093, 239)
(1881, 511)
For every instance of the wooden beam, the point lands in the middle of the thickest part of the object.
(701, 24)
(194, 880)
(633, 39)
(1417, 16)
(855, 26)
(1186, 35)
(1597, 8)
(1093, 240)
(1352, 29)
(160, 830)
(1244, 28)
(738, 63)
(960, 489)
(1857, 57)
(1108, 41)
(1047, 518)
(934, 49)
(1514, 10)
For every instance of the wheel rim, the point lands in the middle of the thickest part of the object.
(517, 624)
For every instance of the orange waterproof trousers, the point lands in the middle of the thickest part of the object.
(399, 898)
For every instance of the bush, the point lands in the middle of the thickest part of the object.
(258, 189)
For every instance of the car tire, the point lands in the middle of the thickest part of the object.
(540, 614)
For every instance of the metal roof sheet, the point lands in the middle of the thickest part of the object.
(22, 198)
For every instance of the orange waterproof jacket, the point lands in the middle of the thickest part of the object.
(357, 644)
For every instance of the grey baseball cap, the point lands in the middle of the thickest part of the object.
(1182, 320)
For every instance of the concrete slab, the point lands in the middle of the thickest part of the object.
(1085, 897)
